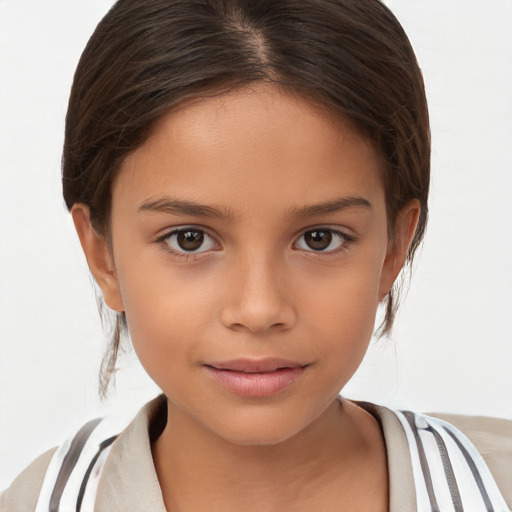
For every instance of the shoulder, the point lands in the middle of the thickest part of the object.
(492, 437)
(34, 487)
(487, 434)
(102, 446)
(444, 459)
(23, 493)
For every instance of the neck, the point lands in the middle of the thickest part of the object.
(235, 477)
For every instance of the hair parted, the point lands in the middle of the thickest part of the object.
(147, 57)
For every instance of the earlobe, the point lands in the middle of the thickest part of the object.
(405, 228)
(98, 257)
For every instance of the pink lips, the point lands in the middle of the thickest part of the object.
(256, 378)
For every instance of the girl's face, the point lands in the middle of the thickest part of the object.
(250, 252)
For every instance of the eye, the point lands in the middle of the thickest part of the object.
(322, 240)
(189, 240)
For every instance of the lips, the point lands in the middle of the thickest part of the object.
(256, 378)
(270, 364)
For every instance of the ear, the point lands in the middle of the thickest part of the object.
(98, 257)
(405, 228)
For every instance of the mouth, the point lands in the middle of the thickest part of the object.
(256, 378)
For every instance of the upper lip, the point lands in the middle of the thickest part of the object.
(269, 364)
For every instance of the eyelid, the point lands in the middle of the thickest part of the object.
(166, 232)
(348, 239)
(162, 240)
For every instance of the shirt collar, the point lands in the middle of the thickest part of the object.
(132, 483)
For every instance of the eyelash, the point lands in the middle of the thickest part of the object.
(347, 240)
(163, 241)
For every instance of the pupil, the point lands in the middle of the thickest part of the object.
(190, 240)
(318, 240)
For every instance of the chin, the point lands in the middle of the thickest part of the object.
(260, 429)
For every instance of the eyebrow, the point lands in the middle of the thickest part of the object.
(181, 207)
(333, 206)
(174, 206)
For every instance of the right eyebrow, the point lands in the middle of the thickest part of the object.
(174, 206)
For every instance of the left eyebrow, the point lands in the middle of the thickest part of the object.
(334, 206)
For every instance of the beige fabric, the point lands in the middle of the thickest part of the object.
(493, 439)
(401, 482)
(130, 483)
(22, 495)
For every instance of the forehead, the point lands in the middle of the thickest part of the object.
(252, 145)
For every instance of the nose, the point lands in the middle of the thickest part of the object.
(259, 299)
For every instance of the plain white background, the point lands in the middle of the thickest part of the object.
(452, 346)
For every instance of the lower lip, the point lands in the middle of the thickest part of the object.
(256, 384)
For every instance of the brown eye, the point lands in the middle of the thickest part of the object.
(318, 240)
(189, 240)
(321, 240)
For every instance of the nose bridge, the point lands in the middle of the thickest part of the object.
(261, 278)
(260, 299)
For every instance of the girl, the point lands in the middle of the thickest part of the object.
(247, 180)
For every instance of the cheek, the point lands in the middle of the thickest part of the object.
(167, 316)
(343, 298)
(340, 313)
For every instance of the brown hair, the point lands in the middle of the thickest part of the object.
(146, 57)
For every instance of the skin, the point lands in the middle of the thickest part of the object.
(255, 289)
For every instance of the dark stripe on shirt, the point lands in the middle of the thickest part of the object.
(423, 461)
(448, 470)
(69, 463)
(83, 486)
(474, 470)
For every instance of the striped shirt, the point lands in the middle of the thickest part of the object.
(447, 473)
